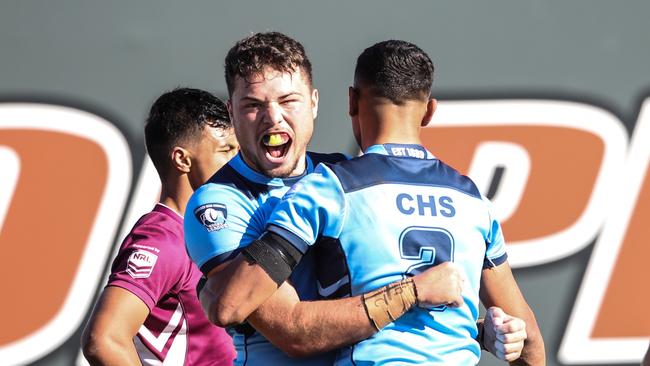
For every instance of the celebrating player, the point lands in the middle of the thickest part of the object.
(272, 105)
(149, 312)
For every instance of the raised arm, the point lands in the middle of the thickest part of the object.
(108, 336)
(499, 288)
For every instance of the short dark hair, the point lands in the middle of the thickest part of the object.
(251, 55)
(397, 70)
(178, 117)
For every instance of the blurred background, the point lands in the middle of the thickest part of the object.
(541, 102)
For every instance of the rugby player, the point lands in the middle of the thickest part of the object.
(149, 312)
(273, 104)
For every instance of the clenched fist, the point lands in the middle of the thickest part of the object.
(440, 285)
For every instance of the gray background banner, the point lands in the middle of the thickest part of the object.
(114, 58)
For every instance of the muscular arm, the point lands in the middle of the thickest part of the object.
(234, 290)
(108, 336)
(499, 288)
(305, 328)
(309, 327)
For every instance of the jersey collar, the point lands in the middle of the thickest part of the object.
(242, 168)
(401, 150)
(164, 209)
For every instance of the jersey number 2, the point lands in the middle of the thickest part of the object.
(428, 246)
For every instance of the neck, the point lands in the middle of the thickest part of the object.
(175, 193)
(385, 122)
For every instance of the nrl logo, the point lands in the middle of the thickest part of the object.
(212, 216)
(141, 263)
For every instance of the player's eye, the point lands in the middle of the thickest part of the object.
(252, 105)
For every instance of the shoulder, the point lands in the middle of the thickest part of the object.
(454, 179)
(372, 169)
(329, 158)
(228, 178)
(157, 230)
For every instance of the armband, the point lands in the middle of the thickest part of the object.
(277, 256)
(390, 302)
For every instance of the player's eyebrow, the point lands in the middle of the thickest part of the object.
(289, 95)
(251, 99)
(282, 97)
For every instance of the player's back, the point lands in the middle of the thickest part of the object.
(405, 211)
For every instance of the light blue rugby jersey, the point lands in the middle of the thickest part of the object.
(228, 213)
(390, 213)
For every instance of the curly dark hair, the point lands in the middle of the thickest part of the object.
(397, 70)
(251, 55)
(178, 117)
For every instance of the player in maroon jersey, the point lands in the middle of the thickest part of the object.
(149, 312)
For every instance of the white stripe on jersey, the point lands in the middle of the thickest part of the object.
(175, 355)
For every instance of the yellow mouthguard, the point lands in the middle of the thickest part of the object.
(275, 140)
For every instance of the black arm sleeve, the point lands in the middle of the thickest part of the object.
(274, 254)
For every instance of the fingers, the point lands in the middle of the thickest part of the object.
(508, 352)
(512, 330)
(511, 337)
(496, 315)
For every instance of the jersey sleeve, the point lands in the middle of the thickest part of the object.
(216, 219)
(147, 266)
(313, 207)
(495, 253)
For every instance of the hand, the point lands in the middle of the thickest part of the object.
(440, 285)
(504, 334)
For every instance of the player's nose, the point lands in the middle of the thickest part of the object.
(273, 114)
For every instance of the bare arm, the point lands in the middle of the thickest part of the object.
(234, 290)
(499, 288)
(306, 328)
(108, 336)
(309, 327)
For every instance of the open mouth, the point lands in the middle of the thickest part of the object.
(276, 144)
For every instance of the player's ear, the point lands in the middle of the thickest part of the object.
(181, 159)
(353, 101)
(229, 107)
(314, 102)
(432, 104)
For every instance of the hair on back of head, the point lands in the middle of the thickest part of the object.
(177, 118)
(397, 70)
(251, 55)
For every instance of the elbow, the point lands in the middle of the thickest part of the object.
(297, 350)
(92, 346)
(301, 347)
(225, 315)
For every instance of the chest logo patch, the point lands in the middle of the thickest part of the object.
(212, 216)
(141, 263)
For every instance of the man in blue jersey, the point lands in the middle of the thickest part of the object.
(273, 104)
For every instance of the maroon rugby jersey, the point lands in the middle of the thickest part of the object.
(153, 265)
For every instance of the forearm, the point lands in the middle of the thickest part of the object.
(311, 327)
(499, 288)
(306, 328)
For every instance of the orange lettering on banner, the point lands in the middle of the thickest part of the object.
(629, 289)
(564, 165)
(62, 179)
